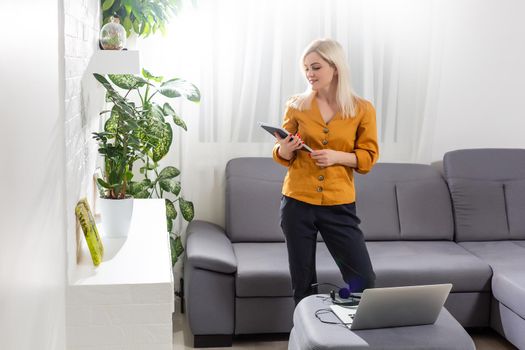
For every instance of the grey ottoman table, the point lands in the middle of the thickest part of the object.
(309, 333)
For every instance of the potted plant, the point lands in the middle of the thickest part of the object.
(120, 145)
(143, 17)
(150, 136)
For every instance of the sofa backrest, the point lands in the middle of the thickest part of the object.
(394, 202)
(488, 193)
(253, 198)
(404, 202)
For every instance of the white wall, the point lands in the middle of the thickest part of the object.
(32, 206)
(482, 87)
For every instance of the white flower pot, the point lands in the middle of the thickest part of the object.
(116, 216)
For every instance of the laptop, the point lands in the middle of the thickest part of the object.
(395, 307)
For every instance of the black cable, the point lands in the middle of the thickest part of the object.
(329, 311)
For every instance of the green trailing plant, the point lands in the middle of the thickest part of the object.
(120, 143)
(149, 139)
(143, 17)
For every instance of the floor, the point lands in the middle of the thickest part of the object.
(182, 339)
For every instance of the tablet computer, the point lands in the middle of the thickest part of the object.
(281, 132)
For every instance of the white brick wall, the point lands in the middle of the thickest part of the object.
(81, 27)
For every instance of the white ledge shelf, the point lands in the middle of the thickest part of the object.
(114, 62)
(129, 298)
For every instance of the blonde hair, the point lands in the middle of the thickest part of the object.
(332, 52)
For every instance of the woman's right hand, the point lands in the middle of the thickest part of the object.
(289, 145)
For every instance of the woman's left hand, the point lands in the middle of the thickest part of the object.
(325, 157)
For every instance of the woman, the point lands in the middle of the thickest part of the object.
(318, 190)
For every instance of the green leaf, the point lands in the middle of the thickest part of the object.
(169, 92)
(112, 122)
(186, 209)
(164, 137)
(169, 172)
(142, 194)
(107, 4)
(173, 244)
(178, 87)
(101, 79)
(169, 224)
(165, 184)
(127, 81)
(149, 76)
(178, 121)
(171, 213)
(136, 25)
(167, 109)
(175, 188)
(128, 25)
(179, 249)
(128, 9)
(103, 183)
(146, 30)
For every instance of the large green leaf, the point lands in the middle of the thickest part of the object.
(186, 209)
(169, 92)
(128, 25)
(169, 172)
(112, 122)
(164, 136)
(179, 87)
(107, 4)
(127, 81)
(101, 79)
(150, 76)
(171, 213)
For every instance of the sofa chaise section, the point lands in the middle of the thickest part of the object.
(488, 192)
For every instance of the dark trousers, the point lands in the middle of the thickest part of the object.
(339, 227)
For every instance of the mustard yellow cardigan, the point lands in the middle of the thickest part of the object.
(333, 185)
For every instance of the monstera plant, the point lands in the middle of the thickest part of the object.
(143, 17)
(141, 116)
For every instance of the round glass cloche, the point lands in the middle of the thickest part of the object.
(113, 35)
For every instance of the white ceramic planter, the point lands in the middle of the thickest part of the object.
(116, 216)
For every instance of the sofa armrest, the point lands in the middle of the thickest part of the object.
(208, 247)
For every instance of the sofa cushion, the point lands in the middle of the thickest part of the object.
(404, 202)
(263, 267)
(253, 193)
(479, 209)
(498, 254)
(413, 263)
(515, 197)
(262, 270)
(507, 260)
(488, 193)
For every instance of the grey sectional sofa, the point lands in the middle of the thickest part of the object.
(236, 278)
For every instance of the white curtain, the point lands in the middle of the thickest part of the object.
(244, 57)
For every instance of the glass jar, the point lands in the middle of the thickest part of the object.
(113, 35)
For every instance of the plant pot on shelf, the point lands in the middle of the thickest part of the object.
(116, 216)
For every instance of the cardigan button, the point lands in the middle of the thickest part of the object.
(325, 130)
(325, 142)
(321, 177)
(319, 189)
